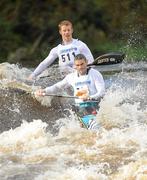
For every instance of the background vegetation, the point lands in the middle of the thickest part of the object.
(29, 29)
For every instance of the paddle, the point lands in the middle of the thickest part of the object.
(108, 59)
(67, 96)
(105, 59)
(56, 95)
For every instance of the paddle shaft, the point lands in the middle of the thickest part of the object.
(62, 96)
(66, 96)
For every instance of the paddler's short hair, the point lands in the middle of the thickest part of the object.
(65, 23)
(80, 56)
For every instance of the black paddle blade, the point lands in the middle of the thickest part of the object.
(109, 58)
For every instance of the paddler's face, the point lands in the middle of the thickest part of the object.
(66, 32)
(81, 66)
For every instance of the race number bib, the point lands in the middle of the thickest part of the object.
(67, 54)
(68, 57)
(82, 91)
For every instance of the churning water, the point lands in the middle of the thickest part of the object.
(39, 140)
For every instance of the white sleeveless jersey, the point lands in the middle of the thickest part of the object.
(65, 54)
(92, 83)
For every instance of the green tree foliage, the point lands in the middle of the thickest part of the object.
(30, 28)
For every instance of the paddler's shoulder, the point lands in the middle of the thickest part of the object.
(92, 70)
(72, 74)
(77, 42)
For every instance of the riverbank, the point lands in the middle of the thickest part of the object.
(28, 58)
(133, 52)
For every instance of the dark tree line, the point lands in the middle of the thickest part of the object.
(28, 29)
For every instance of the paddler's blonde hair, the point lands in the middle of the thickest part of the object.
(65, 23)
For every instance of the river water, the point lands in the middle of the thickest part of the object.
(40, 138)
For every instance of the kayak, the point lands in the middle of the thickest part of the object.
(86, 113)
(89, 122)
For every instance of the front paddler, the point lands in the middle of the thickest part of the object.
(87, 83)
